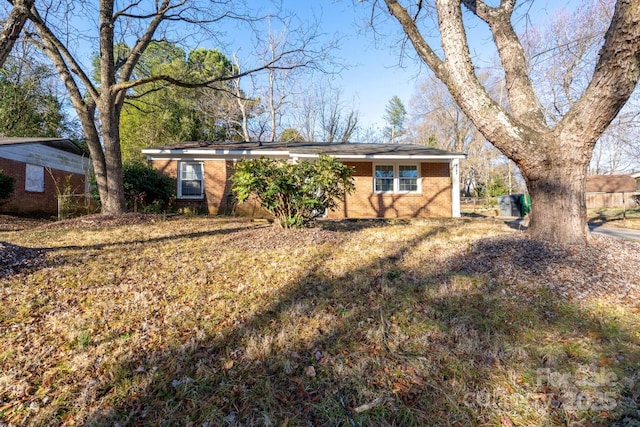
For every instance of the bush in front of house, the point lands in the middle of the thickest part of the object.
(7, 186)
(295, 193)
(147, 189)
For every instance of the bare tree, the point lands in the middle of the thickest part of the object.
(436, 120)
(321, 115)
(336, 123)
(553, 158)
(561, 58)
(13, 26)
(98, 105)
(281, 86)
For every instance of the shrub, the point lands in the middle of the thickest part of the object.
(295, 193)
(7, 186)
(147, 189)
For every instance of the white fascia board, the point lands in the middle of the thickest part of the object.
(387, 156)
(240, 154)
(212, 154)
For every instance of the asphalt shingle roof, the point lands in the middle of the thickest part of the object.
(313, 148)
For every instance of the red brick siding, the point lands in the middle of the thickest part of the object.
(434, 201)
(218, 198)
(28, 202)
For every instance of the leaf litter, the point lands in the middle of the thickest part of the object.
(196, 321)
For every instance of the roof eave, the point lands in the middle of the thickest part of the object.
(293, 154)
(385, 156)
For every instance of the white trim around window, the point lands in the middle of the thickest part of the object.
(190, 180)
(396, 178)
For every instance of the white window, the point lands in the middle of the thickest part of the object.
(191, 181)
(34, 179)
(396, 179)
(384, 178)
(407, 178)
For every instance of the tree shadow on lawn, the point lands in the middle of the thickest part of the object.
(385, 342)
(15, 259)
(18, 259)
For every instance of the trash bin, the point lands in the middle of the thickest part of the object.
(525, 204)
(509, 205)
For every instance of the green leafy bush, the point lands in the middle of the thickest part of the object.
(7, 184)
(295, 193)
(147, 189)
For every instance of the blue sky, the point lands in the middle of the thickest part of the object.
(374, 74)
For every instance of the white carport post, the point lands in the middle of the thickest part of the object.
(455, 188)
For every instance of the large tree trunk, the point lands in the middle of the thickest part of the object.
(558, 208)
(113, 200)
(557, 183)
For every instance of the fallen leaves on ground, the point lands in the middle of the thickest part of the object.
(145, 320)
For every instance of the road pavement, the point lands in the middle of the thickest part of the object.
(622, 233)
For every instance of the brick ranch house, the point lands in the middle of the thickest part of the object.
(391, 180)
(41, 167)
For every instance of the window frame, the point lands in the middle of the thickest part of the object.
(397, 178)
(183, 164)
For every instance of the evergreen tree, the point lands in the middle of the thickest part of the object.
(395, 115)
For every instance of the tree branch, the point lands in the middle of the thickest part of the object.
(410, 28)
(140, 46)
(13, 26)
(123, 86)
(523, 100)
(488, 116)
(618, 68)
(54, 48)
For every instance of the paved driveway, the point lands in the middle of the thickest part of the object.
(623, 233)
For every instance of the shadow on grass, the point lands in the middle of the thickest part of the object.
(23, 259)
(15, 259)
(385, 342)
(171, 237)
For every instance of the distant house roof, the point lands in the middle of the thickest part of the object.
(611, 184)
(59, 143)
(304, 149)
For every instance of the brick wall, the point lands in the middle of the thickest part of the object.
(218, 198)
(29, 202)
(434, 201)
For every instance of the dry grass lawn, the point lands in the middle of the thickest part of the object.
(224, 322)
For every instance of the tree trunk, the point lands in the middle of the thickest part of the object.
(113, 202)
(558, 206)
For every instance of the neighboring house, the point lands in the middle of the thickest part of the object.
(42, 168)
(611, 191)
(391, 180)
